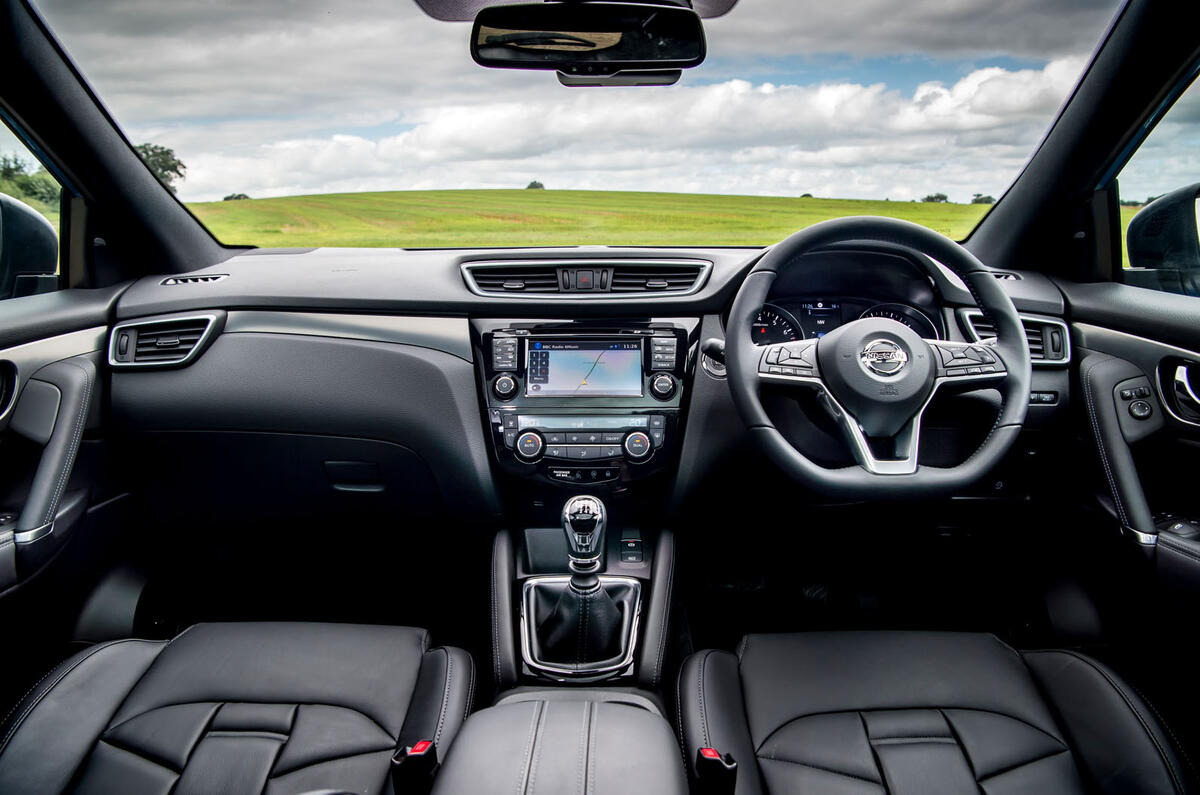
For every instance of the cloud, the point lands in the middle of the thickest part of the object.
(286, 96)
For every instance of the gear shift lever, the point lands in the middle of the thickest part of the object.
(583, 520)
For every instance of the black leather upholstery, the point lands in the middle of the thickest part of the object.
(229, 708)
(564, 741)
(920, 712)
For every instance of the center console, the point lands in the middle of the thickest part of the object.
(575, 403)
(585, 421)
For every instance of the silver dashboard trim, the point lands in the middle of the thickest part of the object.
(33, 356)
(968, 314)
(187, 358)
(447, 334)
(572, 672)
(706, 267)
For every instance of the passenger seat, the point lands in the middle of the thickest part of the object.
(233, 708)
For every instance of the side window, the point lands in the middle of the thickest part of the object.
(30, 201)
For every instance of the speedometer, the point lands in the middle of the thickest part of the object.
(910, 317)
(774, 325)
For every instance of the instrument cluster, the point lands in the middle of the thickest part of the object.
(811, 318)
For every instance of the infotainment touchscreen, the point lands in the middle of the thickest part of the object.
(584, 368)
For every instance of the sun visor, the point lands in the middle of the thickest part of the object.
(465, 10)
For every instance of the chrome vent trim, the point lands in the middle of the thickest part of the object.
(674, 277)
(204, 278)
(1006, 276)
(1037, 329)
(165, 342)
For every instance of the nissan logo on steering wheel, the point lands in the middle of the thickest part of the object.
(883, 357)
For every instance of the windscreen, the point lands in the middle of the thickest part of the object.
(305, 123)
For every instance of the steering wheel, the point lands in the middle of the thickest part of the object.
(876, 376)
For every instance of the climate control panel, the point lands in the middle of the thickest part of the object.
(588, 447)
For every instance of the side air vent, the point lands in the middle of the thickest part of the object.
(206, 278)
(170, 342)
(1049, 340)
(585, 278)
(1006, 276)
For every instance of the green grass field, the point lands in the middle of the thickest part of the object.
(453, 218)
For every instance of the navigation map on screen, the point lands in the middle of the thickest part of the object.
(584, 369)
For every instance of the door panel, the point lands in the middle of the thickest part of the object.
(50, 394)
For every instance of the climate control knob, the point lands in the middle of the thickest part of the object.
(505, 386)
(529, 445)
(637, 445)
(662, 386)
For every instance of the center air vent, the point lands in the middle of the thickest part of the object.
(585, 278)
(516, 279)
(635, 278)
(169, 342)
(1049, 340)
(203, 278)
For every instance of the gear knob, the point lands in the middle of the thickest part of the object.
(583, 520)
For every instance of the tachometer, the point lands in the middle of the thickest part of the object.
(774, 325)
(910, 317)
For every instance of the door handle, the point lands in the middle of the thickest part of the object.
(1185, 395)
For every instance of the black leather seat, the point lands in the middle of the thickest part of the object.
(231, 708)
(921, 712)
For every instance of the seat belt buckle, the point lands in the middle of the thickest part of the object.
(413, 768)
(717, 773)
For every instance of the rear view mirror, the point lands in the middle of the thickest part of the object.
(588, 39)
(28, 250)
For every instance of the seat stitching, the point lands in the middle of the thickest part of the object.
(679, 716)
(581, 770)
(916, 738)
(1011, 768)
(437, 735)
(389, 750)
(17, 724)
(862, 720)
(1178, 745)
(1175, 781)
(594, 709)
(291, 703)
(961, 745)
(470, 692)
(700, 691)
(790, 721)
(530, 744)
(774, 758)
(144, 755)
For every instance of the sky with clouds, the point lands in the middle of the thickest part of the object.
(853, 99)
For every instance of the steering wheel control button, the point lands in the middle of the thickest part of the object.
(637, 445)
(662, 386)
(530, 445)
(1140, 409)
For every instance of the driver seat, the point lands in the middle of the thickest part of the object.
(920, 712)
